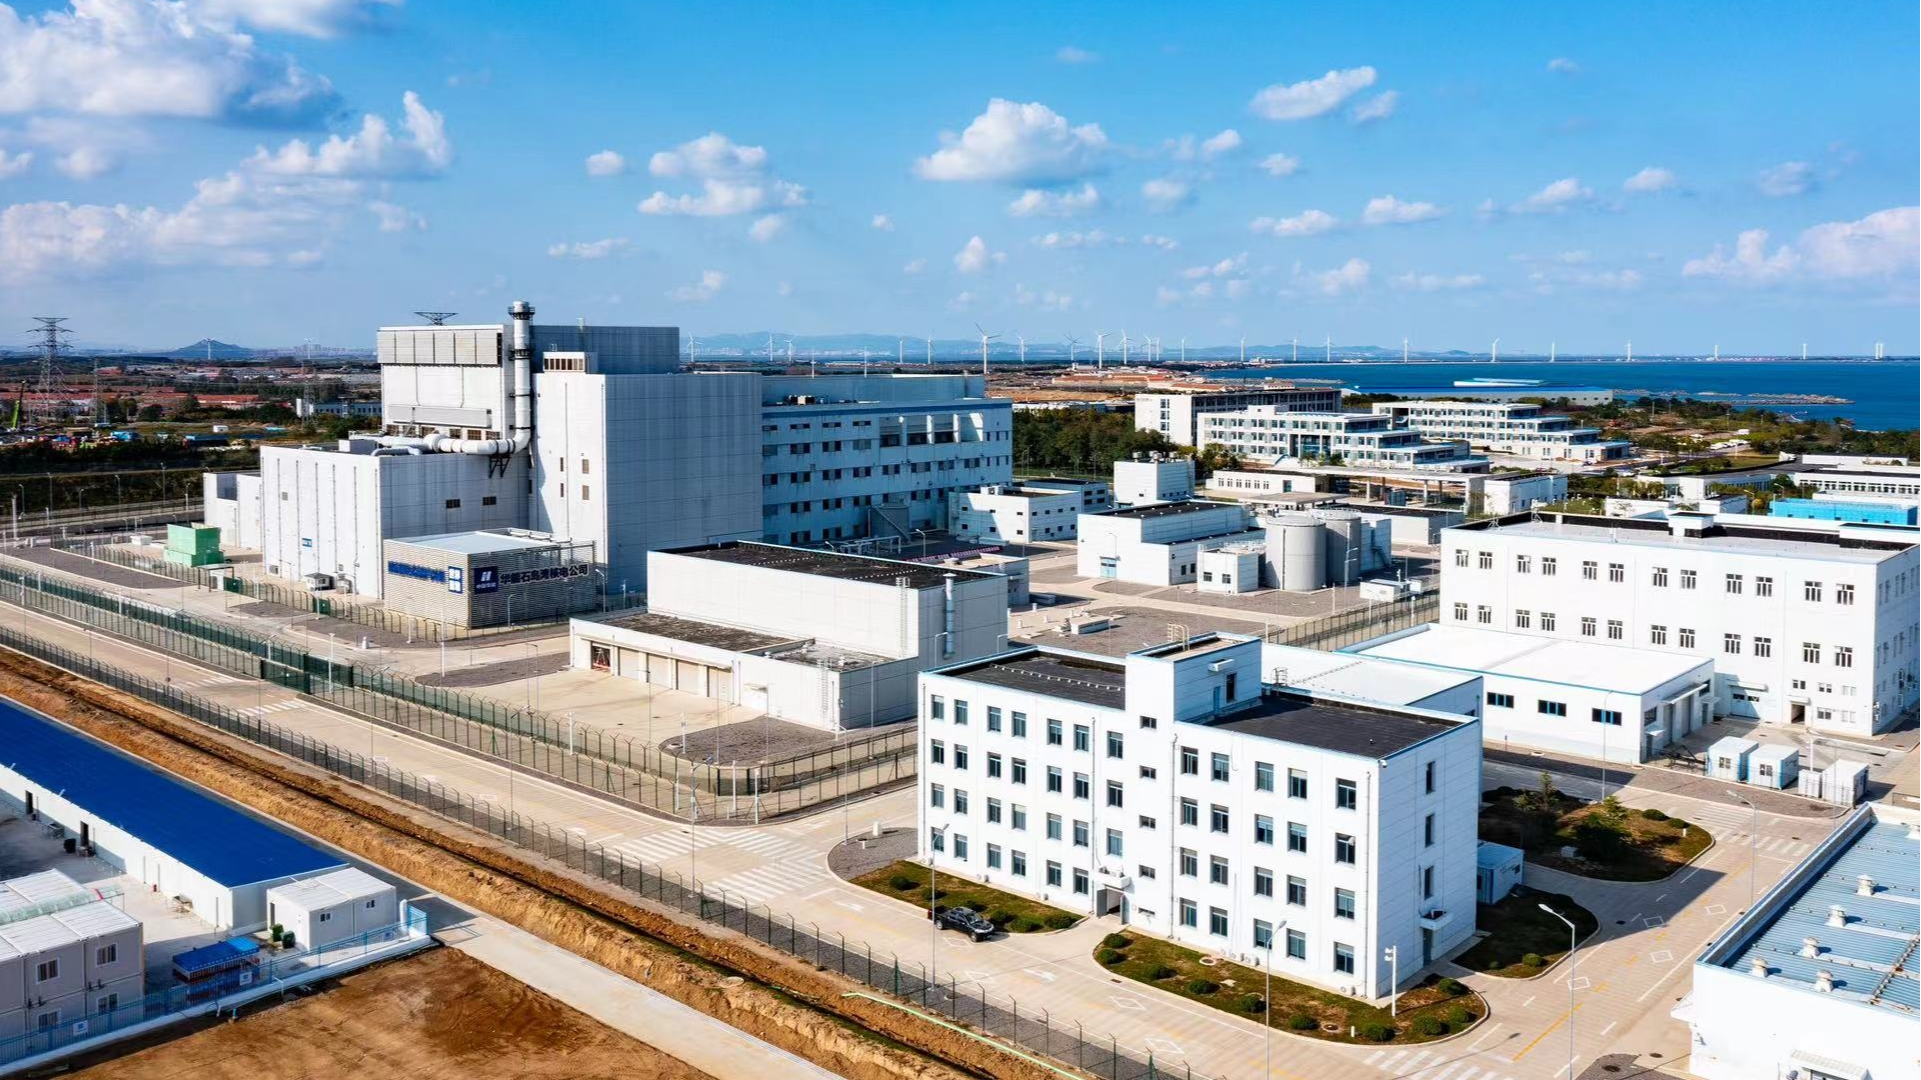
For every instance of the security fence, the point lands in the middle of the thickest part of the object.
(614, 765)
(1333, 632)
(948, 995)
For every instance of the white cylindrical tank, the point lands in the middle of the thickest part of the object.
(1294, 552)
(1346, 545)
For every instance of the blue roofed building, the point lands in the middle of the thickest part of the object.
(1829, 956)
(176, 838)
(1891, 512)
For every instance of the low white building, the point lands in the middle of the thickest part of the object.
(333, 906)
(1507, 427)
(1817, 980)
(65, 955)
(1173, 792)
(1472, 487)
(1864, 479)
(1265, 433)
(1014, 514)
(1604, 702)
(1159, 544)
(820, 638)
(1364, 679)
(1153, 478)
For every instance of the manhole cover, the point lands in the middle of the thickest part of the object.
(1210, 961)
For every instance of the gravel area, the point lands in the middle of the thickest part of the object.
(863, 855)
(753, 742)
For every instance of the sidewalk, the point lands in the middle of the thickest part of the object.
(1660, 778)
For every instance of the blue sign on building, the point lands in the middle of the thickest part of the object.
(421, 573)
(486, 579)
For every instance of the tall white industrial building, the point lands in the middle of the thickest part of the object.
(592, 433)
(1814, 625)
(1172, 789)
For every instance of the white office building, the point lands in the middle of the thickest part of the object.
(1864, 479)
(1602, 702)
(1367, 440)
(819, 638)
(1177, 414)
(65, 955)
(1153, 478)
(1507, 427)
(1159, 544)
(1014, 514)
(1172, 791)
(1807, 625)
(1817, 980)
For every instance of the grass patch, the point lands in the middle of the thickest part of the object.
(1429, 1011)
(907, 881)
(1523, 940)
(1608, 840)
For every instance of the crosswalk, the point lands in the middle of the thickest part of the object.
(1779, 847)
(1444, 1064)
(781, 867)
(278, 706)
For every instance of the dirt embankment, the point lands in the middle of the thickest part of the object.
(438, 1015)
(782, 1001)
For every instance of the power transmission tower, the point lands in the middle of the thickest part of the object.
(48, 403)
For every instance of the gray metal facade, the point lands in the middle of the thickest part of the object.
(477, 584)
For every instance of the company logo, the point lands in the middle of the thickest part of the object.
(486, 579)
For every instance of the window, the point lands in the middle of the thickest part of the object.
(1460, 558)
(1217, 819)
(1217, 922)
(1054, 823)
(993, 766)
(1460, 612)
(1263, 776)
(1427, 831)
(1149, 772)
(1610, 717)
(1020, 725)
(1020, 770)
(1296, 945)
(1499, 700)
(1263, 936)
(1018, 864)
(1149, 722)
(993, 856)
(937, 707)
(1114, 842)
(1735, 584)
(1685, 637)
(1053, 733)
(1547, 621)
(1731, 644)
(1218, 768)
(1190, 761)
(1659, 577)
(1763, 646)
(1296, 837)
(1054, 778)
(1296, 784)
(1811, 591)
(1081, 834)
(1296, 891)
(1549, 565)
(993, 718)
(1657, 635)
(1263, 882)
(1590, 570)
(960, 757)
(1550, 708)
(1054, 873)
(1523, 564)
(993, 811)
(1190, 812)
(1217, 871)
(1427, 776)
(1616, 631)
(1810, 653)
(937, 795)
(1483, 614)
(107, 1004)
(1344, 849)
(937, 839)
(960, 848)
(107, 954)
(454, 504)
(1486, 560)
(1346, 796)
(1147, 822)
(1190, 914)
(1080, 882)
(1190, 863)
(1263, 829)
(1843, 656)
(1523, 618)
(1019, 820)
(46, 971)
(1617, 573)
(1763, 586)
(1844, 594)
(937, 752)
(1083, 738)
(1427, 883)
(1588, 626)
(47, 1020)
(1343, 903)
(1082, 786)
(1116, 747)
(1344, 959)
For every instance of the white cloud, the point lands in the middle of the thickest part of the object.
(962, 301)
(767, 228)
(1071, 54)
(883, 223)
(1882, 244)
(1311, 97)
(591, 250)
(86, 162)
(1651, 179)
(1388, 210)
(309, 18)
(147, 58)
(1232, 266)
(1611, 280)
(12, 165)
(1045, 299)
(1164, 194)
(914, 266)
(1350, 277)
(1305, 223)
(1068, 241)
(1039, 202)
(1438, 282)
(1555, 197)
(785, 288)
(733, 180)
(713, 154)
(974, 256)
(372, 151)
(1279, 165)
(396, 218)
(1750, 260)
(1016, 143)
(1787, 179)
(1165, 296)
(1378, 107)
(1226, 142)
(1561, 65)
(1155, 240)
(1573, 258)
(606, 163)
(710, 284)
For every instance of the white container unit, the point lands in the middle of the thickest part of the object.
(1774, 766)
(1728, 758)
(332, 907)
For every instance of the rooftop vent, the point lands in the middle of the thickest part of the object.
(1864, 886)
(1810, 947)
(1824, 981)
(1837, 915)
(1758, 967)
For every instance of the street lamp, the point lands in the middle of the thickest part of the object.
(1570, 984)
(1752, 829)
(1393, 957)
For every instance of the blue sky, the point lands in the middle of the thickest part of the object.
(1679, 176)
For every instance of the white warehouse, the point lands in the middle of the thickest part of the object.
(1171, 790)
(1159, 544)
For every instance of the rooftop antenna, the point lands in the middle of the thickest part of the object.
(436, 318)
(985, 338)
(1100, 351)
(47, 404)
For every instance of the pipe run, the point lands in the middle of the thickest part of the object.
(521, 427)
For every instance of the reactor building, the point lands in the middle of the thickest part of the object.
(592, 435)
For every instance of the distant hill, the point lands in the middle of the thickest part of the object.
(207, 348)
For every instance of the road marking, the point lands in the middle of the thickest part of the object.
(1040, 973)
(1580, 983)
(1717, 909)
(1485, 1036)
(1124, 1002)
(1528, 1002)
(1562, 1019)
(1652, 921)
(1660, 956)
(1660, 898)
(1166, 1046)
(1610, 1026)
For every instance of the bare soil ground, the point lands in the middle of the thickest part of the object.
(438, 1015)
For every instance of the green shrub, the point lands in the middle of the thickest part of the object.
(1116, 941)
(1061, 920)
(1428, 1026)
(1252, 1004)
(932, 893)
(1302, 1022)
(1533, 959)
(1450, 987)
(1599, 838)
(1377, 1032)
(1000, 918)
(1109, 957)
(1458, 1016)
(901, 883)
(1160, 972)
(1023, 926)
(1653, 815)
(1678, 823)
(1200, 987)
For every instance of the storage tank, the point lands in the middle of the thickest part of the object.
(1294, 558)
(1346, 545)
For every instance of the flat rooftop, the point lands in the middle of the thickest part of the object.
(1873, 956)
(1737, 539)
(1359, 677)
(220, 842)
(695, 631)
(1621, 668)
(1175, 509)
(829, 564)
(487, 541)
(1337, 726)
(1089, 681)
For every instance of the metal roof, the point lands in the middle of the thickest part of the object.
(334, 887)
(1088, 681)
(830, 564)
(1871, 954)
(223, 844)
(1174, 509)
(489, 541)
(1623, 668)
(1341, 727)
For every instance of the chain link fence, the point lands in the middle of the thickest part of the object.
(1331, 633)
(949, 996)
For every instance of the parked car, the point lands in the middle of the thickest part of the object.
(967, 921)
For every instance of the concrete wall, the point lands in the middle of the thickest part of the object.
(230, 502)
(1139, 482)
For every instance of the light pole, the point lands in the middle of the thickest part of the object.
(1570, 984)
(1394, 975)
(1752, 829)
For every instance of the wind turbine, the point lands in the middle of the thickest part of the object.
(930, 348)
(1023, 342)
(1403, 350)
(1183, 349)
(900, 349)
(1296, 342)
(1071, 342)
(770, 349)
(1494, 354)
(985, 338)
(1630, 356)
(1243, 350)
(1123, 348)
(1330, 348)
(1100, 351)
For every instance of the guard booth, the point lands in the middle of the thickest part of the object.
(1728, 758)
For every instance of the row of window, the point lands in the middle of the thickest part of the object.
(1812, 652)
(1659, 576)
(1497, 700)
